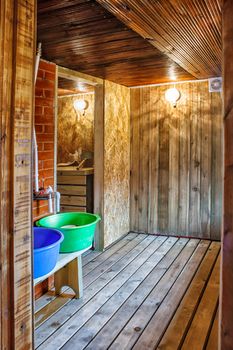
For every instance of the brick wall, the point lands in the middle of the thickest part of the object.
(44, 124)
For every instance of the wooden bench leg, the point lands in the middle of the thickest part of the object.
(71, 276)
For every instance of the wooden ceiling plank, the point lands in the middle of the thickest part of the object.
(192, 42)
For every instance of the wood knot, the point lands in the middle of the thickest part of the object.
(3, 137)
(137, 329)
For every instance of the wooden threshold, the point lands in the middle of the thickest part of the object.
(144, 292)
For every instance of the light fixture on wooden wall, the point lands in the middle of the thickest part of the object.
(172, 95)
(80, 106)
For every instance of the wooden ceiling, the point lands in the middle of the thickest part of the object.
(187, 31)
(84, 36)
(72, 87)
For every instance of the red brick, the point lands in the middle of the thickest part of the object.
(49, 129)
(48, 66)
(49, 76)
(39, 110)
(48, 93)
(48, 146)
(39, 92)
(45, 137)
(45, 84)
(49, 110)
(40, 146)
(43, 119)
(46, 173)
(42, 101)
(44, 155)
(48, 164)
(40, 74)
(39, 128)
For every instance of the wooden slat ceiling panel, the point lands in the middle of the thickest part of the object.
(187, 31)
(84, 36)
(68, 86)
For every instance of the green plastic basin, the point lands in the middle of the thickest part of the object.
(78, 229)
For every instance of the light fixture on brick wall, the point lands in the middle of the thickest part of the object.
(172, 95)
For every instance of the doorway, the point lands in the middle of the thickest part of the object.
(79, 144)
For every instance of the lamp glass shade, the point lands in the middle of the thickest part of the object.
(80, 105)
(172, 95)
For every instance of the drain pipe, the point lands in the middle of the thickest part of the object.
(34, 131)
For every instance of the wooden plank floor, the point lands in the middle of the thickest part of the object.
(144, 292)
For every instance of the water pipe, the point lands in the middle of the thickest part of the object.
(34, 131)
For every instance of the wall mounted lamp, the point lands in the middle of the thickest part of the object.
(172, 95)
(80, 106)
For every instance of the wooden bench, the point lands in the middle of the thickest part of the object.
(67, 272)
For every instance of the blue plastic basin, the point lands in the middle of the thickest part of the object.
(46, 250)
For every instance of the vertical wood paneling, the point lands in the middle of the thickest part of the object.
(17, 30)
(153, 159)
(184, 161)
(144, 159)
(134, 173)
(194, 199)
(176, 161)
(226, 313)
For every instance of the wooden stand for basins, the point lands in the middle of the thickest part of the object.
(67, 272)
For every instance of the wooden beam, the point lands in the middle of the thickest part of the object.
(226, 314)
(17, 37)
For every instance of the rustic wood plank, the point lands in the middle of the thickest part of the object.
(98, 284)
(152, 334)
(73, 200)
(144, 160)
(163, 183)
(17, 38)
(49, 297)
(226, 313)
(184, 162)
(134, 171)
(71, 208)
(188, 32)
(72, 190)
(194, 203)
(213, 342)
(125, 57)
(180, 323)
(161, 284)
(128, 290)
(93, 273)
(173, 181)
(134, 328)
(71, 180)
(216, 170)
(153, 160)
(164, 256)
(202, 322)
(206, 121)
(180, 193)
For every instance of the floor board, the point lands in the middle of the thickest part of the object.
(144, 292)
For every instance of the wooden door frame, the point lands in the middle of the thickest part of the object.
(98, 85)
(17, 61)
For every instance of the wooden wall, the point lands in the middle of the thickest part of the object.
(116, 161)
(176, 161)
(74, 130)
(226, 314)
(17, 38)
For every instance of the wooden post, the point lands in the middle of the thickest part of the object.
(226, 317)
(17, 38)
(99, 164)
